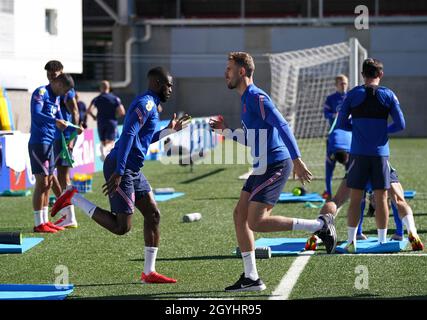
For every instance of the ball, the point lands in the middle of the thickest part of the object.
(296, 191)
(299, 191)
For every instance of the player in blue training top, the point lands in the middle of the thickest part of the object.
(369, 106)
(46, 118)
(275, 151)
(110, 108)
(126, 186)
(70, 113)
(338, 142)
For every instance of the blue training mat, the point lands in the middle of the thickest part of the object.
(410, 194)
(311, 197)
(27, 244)
(282, 246)
(371, 245)
(34, 291)
(166, 197)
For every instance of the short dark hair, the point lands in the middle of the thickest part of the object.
(372, 68)
(65, 79)
(243, 59)
(53, 66)
(158, 73)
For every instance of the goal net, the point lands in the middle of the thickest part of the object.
(300, 82)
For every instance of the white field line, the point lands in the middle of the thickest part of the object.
(284, 289)
(378, 255)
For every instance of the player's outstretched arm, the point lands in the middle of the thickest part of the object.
(89, 110)
(301, 171)
(397, 116)
(133, 124)
(174, 126)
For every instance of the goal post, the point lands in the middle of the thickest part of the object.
(300, 82)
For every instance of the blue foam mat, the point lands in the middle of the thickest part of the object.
(166, 197)
(311, 197)
(282, 246)
(371, 245)
(34, 291)
(409, 194)
(27, 244)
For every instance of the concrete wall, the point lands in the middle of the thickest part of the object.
(197, 57)
(25, 46)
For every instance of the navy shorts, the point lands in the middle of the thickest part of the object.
(266, 188)
(133, 187)
(41, 158)
(107, 131)
(364, 169)
(57, 148)
(394, 177)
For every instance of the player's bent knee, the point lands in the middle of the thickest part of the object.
(329, 207)
(122, 230)
(155, 217)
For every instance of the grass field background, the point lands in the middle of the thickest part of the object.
(199, 254)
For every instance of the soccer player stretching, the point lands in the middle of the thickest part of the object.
(110, 108)
(278, 151)
(369, 106)
(70, 113)
(45, 119)
(338, 143)
(125, 184)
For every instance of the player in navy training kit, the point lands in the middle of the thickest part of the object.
(274, 150)
(69, 112)
(369, 106)
(338, 143)
(45, 119)
(126, 186)
(110, 108)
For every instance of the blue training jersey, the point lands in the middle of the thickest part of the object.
(107, 104)
(45, 109)
(338, 140)
(370, 108)
(258, 113)
(71, 94)
(330, 108)
(138, 130)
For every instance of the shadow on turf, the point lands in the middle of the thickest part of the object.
(203, 176)
(389, 231)
(191, 258)
(218, 198)
(174, 295)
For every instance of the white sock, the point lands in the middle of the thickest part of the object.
(38, 217)
(250, 265)
(409, 223)
(84, 204)
(150, 254)
(45, 214)
(307, 225)
(382, 235)
(351, 232)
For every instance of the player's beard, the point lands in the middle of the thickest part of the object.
(233, 83)
(163, 97)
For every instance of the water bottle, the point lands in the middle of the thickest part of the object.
(190, 217)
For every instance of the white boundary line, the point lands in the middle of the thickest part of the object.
(284, 289)
(378, 255)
